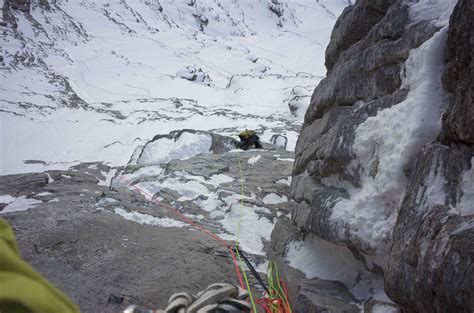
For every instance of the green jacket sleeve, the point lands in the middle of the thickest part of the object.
(22, 289)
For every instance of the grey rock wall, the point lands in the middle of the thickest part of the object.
(426, 260)
(431, 260)
(22, 5)
(459, 119)
(364, 80)
(430, 265)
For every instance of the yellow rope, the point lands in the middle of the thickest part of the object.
(238, 236)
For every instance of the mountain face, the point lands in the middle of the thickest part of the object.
(125, 109)
(92, 80)
(384, 160)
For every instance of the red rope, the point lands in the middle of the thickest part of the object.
(196, 226)
(266, 302)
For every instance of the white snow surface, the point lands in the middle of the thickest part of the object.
(316, 257)
(251, 162)
(108, 177)
(215, 180)
(44, 193)
(146, 219)
(164, 150)
(252, 230)
(437, 12)
(21, 203)
(98, 78)
(390, 141)
(273, 198)
(6, 199)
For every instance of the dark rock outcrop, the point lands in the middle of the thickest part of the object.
(459, 119)
(353, 25)
(22, 5)
(430, 266)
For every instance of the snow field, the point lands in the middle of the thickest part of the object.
(122, 59)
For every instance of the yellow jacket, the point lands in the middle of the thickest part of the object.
(22, 289)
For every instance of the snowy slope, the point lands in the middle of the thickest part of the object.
(91, 80)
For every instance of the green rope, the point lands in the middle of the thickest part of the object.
(238, 236)
(278, 290)
(281, 292)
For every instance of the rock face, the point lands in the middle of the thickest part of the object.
(459, 117)
(77, 242)
(431, 260)
(430, 266)
(364, 80)
(106, 246)
(377, 170)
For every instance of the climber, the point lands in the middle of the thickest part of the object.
(249, 138)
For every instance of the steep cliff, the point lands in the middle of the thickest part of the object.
(384, 159)
(430, 264)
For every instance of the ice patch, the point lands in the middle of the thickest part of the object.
(50, 179)
(215, 180)
(317, 258)
(253, 228)
(164, 150)
(286, 159)
(146, 219)
(189, 190)
(6, 199)
(210, 204)
(251, 162)
(219, 179)
(284, 181)
(45, 193)
(273, 198)
(125, 179)
(435, 11)
(108, 177)
(20, 204)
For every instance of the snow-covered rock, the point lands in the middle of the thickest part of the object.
(195, 74)
(279, 140)
(434, 234)
(371, 169)
(180, 145)
(92, 242)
